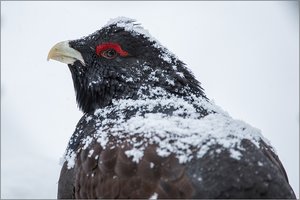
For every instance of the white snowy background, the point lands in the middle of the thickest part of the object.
(246, 55)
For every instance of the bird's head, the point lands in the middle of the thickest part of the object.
(121, 60)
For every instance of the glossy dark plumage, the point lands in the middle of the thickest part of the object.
(149, 131)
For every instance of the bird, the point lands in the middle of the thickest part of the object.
(149, 131)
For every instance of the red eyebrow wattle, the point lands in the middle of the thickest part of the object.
(104, 46)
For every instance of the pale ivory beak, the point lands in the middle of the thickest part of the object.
(62, 52)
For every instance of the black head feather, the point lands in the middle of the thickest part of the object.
(147, 65)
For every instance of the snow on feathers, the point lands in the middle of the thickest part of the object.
(177, 130)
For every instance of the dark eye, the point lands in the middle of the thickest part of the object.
(109, 53)
(110, 50)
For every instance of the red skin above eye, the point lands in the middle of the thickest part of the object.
(104, 46)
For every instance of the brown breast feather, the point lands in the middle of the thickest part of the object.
(110, 173)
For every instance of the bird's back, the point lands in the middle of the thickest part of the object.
(116, 154)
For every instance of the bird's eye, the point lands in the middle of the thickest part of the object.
(110, 50)
(109, 53)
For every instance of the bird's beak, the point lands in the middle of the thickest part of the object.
(62, 52)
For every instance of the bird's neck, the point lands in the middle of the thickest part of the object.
(91, 99)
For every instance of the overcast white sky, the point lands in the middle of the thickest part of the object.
(245, 54)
